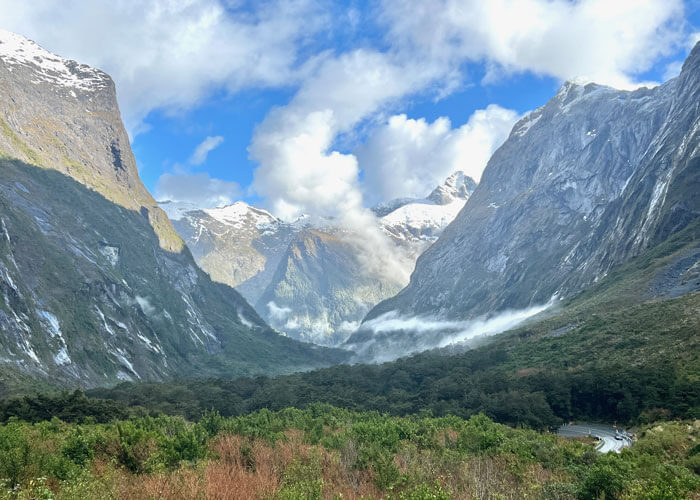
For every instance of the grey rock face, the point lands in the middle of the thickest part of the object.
(238, 245)
(63, 115)
(95, 284)
(582, 184)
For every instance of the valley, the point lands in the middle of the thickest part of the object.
(480, 331)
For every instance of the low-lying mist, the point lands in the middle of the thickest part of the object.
(391, 336)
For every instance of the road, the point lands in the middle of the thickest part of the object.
(606, 434)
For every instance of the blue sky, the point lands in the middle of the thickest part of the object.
(321, 107)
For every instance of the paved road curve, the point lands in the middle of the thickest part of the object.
(606, 434)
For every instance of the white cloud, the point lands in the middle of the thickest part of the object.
(407, 157)
(298, 170)
(673, 69)
(199, 189)
(277, 313)
(170, 55)
(693, 39)
(426, 332)
(608, 42)
(201, 152)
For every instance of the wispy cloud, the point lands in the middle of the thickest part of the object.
(200, 153)
(200, 189)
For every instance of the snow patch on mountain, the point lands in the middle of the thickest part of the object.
(425, 219)
(421, 219)
(18, 50)
(241, 213)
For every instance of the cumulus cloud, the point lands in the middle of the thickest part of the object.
(299, 172)
(199, 189)
(607, 42)
(170, 55)
(408, 157)
(203, 149)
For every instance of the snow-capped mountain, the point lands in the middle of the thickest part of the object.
(95, 284)
(422, 220)
(239, 245)
(304, 277)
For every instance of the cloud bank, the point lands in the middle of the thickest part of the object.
(408, 158)
(393, 336)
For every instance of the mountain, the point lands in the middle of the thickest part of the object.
(96, 285)
(422, 220)
(238, 244)
(306, 278)
(582, 185)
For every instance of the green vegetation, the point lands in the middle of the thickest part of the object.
(31, 155)
(329, 453)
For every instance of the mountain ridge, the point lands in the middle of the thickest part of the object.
(581, 185)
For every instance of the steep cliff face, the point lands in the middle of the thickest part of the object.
(63, 115)
(581, 185)
(306, 278)
(96, 285)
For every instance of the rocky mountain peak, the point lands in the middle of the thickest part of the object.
(240, 213)
(457, 186)
(692, 62)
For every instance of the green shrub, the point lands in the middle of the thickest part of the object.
(302, 480)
